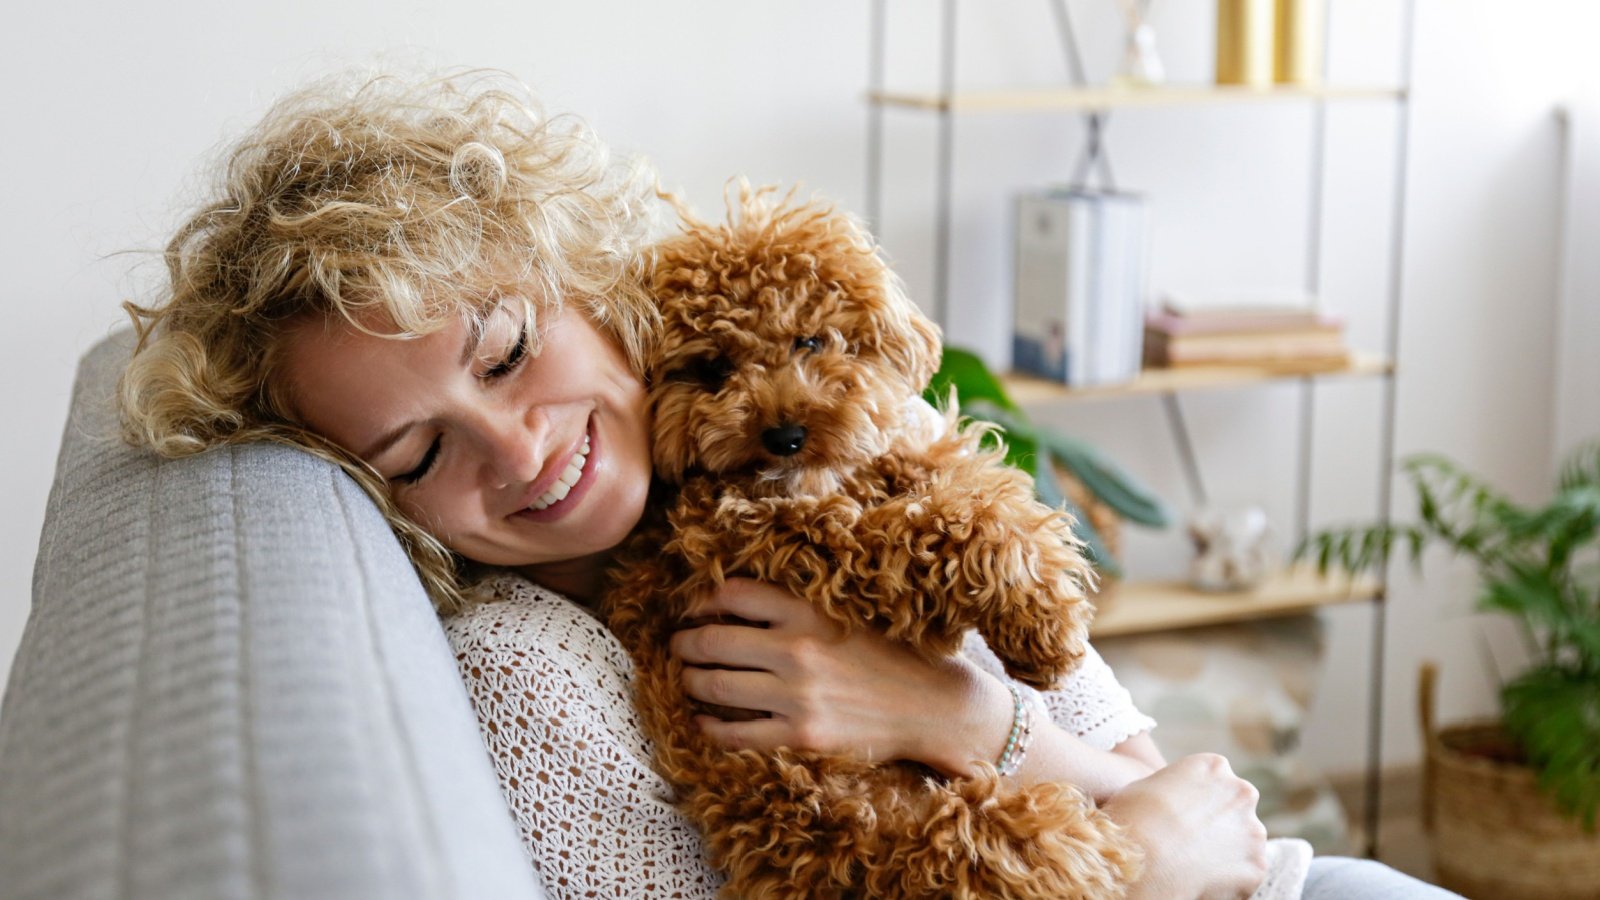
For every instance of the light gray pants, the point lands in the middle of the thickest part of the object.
(1343, 878)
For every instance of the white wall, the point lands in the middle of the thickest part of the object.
(109, 112)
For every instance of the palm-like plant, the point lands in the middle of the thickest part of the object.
(1539, 565)
(1033, 448)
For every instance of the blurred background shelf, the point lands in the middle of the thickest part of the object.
(1139, 607)
(1093, 98)
(1027, 390)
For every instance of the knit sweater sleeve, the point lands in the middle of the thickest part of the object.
(552, 689)
(1091, 703)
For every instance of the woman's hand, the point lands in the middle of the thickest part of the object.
(857, 694)
(866, 696)
(1197, 823)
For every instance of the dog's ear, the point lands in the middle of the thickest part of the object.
(882, 318)
(672, 447)
(908, 339)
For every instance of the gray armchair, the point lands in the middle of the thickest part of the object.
(231, 684)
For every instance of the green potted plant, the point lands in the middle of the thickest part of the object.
(1540, 565)
(1103, 492)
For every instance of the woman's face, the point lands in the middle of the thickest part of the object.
(508, 458)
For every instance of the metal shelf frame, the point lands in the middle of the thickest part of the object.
(1094, 106)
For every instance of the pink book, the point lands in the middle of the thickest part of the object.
(1242, 323)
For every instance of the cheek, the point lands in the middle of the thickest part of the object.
(865, 402)
(440, 509)
(638, 437)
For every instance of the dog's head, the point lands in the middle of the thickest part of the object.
(789, 350)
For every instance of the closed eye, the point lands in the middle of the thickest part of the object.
(514, 358)
(428, 458)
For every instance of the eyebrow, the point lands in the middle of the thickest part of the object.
(386, 441)
(381, 446)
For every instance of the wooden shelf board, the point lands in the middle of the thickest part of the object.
(1138, 607)
(1046, 98)
(1028, 390)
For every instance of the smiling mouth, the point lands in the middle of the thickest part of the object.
(565, 482)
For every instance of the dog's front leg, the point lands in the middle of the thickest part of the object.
(971, 548)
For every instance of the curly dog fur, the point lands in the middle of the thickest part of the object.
(780, 392)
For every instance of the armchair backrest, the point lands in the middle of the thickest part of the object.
(231, 684)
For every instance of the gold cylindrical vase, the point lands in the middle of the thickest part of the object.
(1298, 43)
(1245, 41)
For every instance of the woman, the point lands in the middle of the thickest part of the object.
(432, 285)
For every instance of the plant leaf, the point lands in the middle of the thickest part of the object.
(1105, 479)
(1049, 492)
(977, 389)
(1581, 468)
(1528, 593)
(1014, 433)
(965, 371)
(1554, 713)
(1109, 483)
(1358, 549)
(1048, 489)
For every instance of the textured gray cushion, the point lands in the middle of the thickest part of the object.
(231, 684)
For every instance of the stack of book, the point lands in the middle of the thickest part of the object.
(1080, 283)
(1289, 335)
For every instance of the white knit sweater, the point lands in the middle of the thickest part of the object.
(553, 691)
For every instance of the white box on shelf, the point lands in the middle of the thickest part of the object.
(1080, 284)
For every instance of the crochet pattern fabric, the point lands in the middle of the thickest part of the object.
(551, 687)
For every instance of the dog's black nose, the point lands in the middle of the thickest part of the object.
(785, 440)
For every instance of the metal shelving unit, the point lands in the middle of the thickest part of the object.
(1103, 99)
(1031, 391)
(1140, 607)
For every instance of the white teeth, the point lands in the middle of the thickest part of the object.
(569, 477)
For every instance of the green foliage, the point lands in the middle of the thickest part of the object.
(966, 373)
(973, 384)
(982, 396)
(1555, 714)
(1048, 488)
(1539, 565)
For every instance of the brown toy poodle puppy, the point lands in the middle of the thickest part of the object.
(780, 392)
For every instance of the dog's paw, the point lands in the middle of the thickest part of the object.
(1038, 657)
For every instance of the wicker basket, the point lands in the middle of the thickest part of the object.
(1495, 836)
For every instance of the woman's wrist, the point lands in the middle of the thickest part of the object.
(974, 729)
(972, 714)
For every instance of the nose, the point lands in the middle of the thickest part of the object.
(514, 448)
(785, 440)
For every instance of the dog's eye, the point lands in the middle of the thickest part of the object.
(808, 344)
(709, 372)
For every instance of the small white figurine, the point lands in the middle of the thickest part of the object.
(1231, 551)
(1141, 64)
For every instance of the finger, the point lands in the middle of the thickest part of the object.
(1249, 795)
(756, 734)
(731, 646)
(761, 691)
(1212, 764)
(749, 599)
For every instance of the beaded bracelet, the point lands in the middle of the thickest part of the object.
(1021, 732)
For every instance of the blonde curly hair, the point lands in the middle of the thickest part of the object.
(407, 203)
